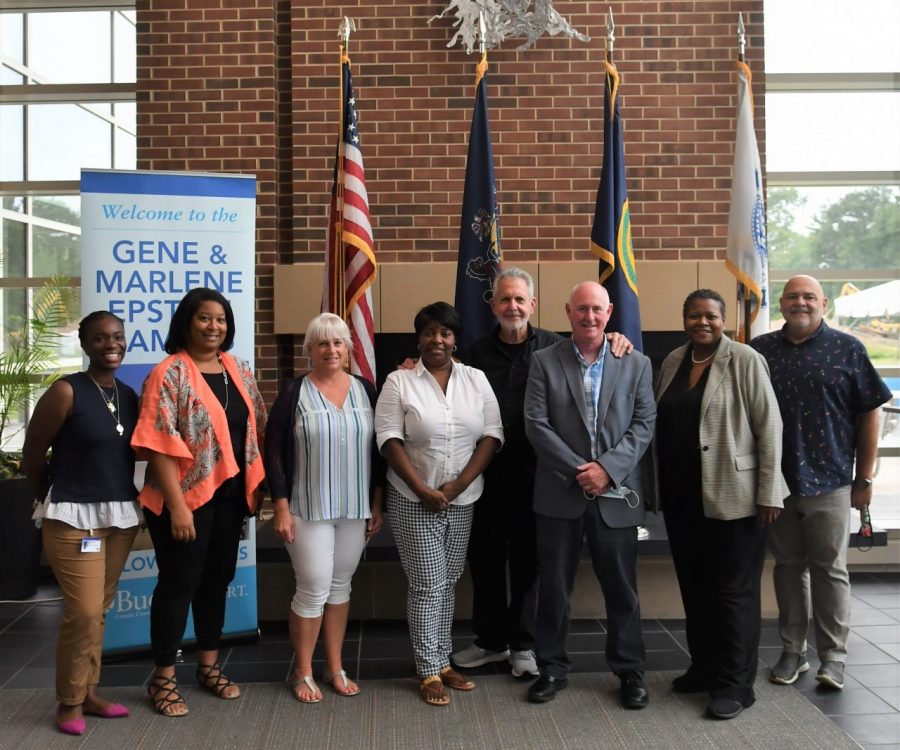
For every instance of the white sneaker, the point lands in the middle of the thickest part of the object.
(475, 656)
(523, 662)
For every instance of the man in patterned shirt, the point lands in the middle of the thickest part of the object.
(829, 394)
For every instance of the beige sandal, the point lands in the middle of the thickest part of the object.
(296, 682)
(341, 675)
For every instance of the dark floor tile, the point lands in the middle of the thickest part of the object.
(663, 660)
(386, 669)
(849, 701)
(125, 675)
(274, 632)
(876, 675)
(390, 629)
(648, 626)
(45, 657)
(881, 746)
(872, 729)
(20, 640)
(588, 662)
(586, 626)
(15, 658)
(877, 634)
(6, 674)
(32, 677)
(661, 640)
(862, 614)
(675, 624)
(36, 620)
(866, 653)
(890, 695)
(880, 601)
(265, 671)
(770, 638)
(586, 642)
(386, 648)
(255, 652)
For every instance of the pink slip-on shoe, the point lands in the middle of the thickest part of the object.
(72, 726)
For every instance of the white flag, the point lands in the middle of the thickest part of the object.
(747, 257)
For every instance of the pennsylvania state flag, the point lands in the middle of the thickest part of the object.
(611, 234)
(479, 230)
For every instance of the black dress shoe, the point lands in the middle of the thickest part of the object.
(545, 688)
(634, 693)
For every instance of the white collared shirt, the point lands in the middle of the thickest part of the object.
(439, 431)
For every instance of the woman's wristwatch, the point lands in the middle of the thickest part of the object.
(862, 483)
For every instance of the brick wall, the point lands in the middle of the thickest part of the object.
(252, 86)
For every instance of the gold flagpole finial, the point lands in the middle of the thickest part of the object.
(610, 35)
(348, 25)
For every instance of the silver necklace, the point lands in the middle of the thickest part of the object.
(225, 376)
(701, 361)
(112, 404)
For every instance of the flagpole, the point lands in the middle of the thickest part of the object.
(744, 296)
(339, 269)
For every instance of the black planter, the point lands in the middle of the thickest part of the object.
(20, 541)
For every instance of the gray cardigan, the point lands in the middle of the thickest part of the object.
(740, 432)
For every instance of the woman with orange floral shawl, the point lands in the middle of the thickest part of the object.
(200, 427)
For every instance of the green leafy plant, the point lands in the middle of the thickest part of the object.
(27, 361)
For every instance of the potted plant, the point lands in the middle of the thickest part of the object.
(27, 357)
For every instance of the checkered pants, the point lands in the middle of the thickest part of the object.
(432, 550)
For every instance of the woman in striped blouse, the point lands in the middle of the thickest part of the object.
(326, 482)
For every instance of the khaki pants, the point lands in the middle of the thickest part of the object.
(88, 581)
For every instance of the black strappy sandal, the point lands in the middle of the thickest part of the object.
(211, 677)
(163, 691)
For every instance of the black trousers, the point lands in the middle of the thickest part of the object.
(503, 532)
(614, 558)
(195, 574)
(719, 566)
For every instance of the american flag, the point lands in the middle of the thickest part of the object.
(350, 260)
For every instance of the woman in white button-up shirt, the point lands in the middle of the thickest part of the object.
(438, 425)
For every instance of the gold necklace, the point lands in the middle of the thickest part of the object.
(112, 404)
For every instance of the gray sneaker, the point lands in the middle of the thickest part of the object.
(474, 656)
(831, 674)
(788, 668)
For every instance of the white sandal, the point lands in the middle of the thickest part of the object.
(342, 675)
(307, 680)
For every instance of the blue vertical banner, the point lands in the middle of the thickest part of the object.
(611, 233)
(147, 238)
(479, 230)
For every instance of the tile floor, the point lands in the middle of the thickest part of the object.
(868, 708)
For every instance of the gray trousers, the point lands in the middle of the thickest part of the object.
(809, 542)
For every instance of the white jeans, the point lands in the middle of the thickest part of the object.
(324, 555)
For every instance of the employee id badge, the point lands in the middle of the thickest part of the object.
(90, 544)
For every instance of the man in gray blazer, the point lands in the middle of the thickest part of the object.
(590, 420)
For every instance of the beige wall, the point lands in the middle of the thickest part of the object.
(402, 288)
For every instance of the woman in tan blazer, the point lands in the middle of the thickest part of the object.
(718, 448)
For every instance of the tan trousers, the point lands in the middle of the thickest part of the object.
(88, 581)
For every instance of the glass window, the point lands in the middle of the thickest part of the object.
(82, 125)
(125, 140)
(833, 227)
(827, 132)
(58, 42)
(55, 253)
(124, 44)
(12, 144)
(812, 36)
(66, 209)
(12, 259)
(12, 42)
